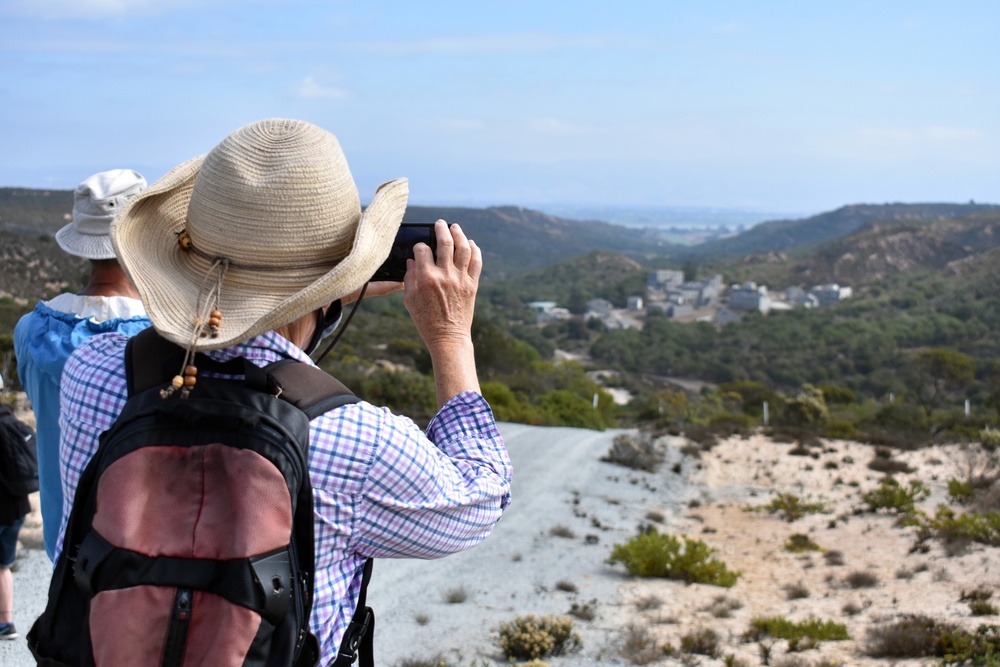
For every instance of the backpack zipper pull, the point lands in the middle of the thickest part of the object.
(180, 620)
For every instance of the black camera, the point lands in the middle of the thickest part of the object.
(409, 234)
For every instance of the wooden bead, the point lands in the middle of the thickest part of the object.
(184, 240)
(190, 381)
(216, 314)
(190, 370)
(214, 321)
(177, 382)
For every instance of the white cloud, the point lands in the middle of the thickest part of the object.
(310, 89)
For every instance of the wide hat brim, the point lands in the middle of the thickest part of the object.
(173, 282)
(87, 246)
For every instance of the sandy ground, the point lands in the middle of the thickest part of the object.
(548, 555)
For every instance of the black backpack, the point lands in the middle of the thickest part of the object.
(18, 457)
(190, 541)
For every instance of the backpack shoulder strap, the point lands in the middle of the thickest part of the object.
(310, 389)
(150, 360)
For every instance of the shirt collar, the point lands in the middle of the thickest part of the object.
(262, 350)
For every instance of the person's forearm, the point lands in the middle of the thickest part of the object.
(454, 370)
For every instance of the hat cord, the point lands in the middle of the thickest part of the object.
(208, 297)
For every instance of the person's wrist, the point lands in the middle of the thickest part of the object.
(450, 346)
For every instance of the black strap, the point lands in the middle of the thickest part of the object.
(358, 641)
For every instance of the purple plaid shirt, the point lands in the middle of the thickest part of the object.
(381, 487)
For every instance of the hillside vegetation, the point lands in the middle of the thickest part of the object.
(919, 330)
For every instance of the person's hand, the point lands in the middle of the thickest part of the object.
(441, 298)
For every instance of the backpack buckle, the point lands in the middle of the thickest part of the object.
(354, 634)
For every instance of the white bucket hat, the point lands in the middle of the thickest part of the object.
(265, 228)
(96, 202)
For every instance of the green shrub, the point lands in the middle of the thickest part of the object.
(731, 423)
(508, 407)
(531, 637)
(990, 437)
(892, 496)
(835, 395)
(979, 602)
(780, 627)
(653, 554)
(950, 527)
(800, 543)
(921, 636)
(840, 429)
(565, 408)
(961, 493)
(791, 507)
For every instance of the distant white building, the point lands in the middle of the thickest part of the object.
(749, 296)
(798, 297)
(634, 304)
(831, 293)
(542, 306)
(598, 307)
(663, 280)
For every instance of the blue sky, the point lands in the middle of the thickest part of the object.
(777, 106)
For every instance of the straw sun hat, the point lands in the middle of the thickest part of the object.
(265, 228)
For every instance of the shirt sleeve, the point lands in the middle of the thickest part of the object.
(426, 495)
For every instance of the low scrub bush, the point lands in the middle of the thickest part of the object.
(654, 554)
(990, 438)
(889, 466)
(979, 602)
(840, 429)
(780, 627)
(797, 591)
(456, 595)
(585, 611)
(920, 636)
(791, 507)
(961, 493)
(893, 497)
(834, 557)
(635, 452)
(638, 645)
(952, 528)
(703, 641)
(532, 637)
(800, 543)
(861, 579)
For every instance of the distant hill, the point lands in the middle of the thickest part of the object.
(784, 235)
(516, 240)
(878, 250)
(27, 211)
